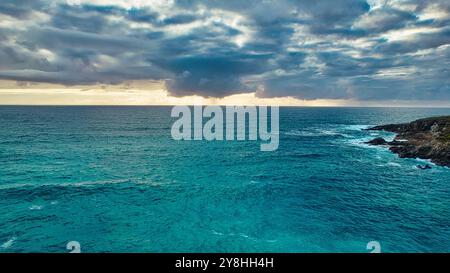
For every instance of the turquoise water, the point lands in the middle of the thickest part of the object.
(113, 179)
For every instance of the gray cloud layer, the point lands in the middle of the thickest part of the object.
(340, 49)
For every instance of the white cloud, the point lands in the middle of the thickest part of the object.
(127, 4)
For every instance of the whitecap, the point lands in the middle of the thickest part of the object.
(243, 235)
(36, 207)
(332, 133)
(152, 183)
(217, 233)
(67, 184)
(251, 182)
(91, 183)
(9, 243)
(428, 161)
(394, 164)
(300, 133)
(316, 133)
(357, 127)
(248, 237)
(360, 142)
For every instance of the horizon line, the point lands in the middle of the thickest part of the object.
(172, 105)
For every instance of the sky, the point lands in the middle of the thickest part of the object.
(281, 52)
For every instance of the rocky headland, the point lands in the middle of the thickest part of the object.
(427, 138)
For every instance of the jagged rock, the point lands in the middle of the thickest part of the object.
(427, 138)
(396, 143)
(377, 141)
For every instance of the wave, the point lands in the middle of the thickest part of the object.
(360, 142)
(79, 184)
(361, 139)
(358, 127)
(68, 184)
(429, 162)
(394, 164)
(217, 233)
(36, 207)
(389, 164)
(422, 160)
(345, 130)
(301, 133)
(9, 243)
(242, 235)
(316, 133)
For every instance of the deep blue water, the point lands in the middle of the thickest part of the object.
(113, 179)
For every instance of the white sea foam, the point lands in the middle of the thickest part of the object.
(93, 183)
(75, 184)
(360, 142)
(316, 133)
(9, 243)
(428, 161)
(394, 164)
(357, 127)
(153, 183)
(389, 164)
(333, 133)
(217, 233)
(300, 133)
(243, 235)
(36, 207)
(251, 182)
(333, 130)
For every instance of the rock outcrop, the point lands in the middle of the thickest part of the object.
(427, 138)
(377, 141)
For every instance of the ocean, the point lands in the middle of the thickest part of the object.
(114, 180)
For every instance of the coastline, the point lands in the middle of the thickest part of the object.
(427, 139)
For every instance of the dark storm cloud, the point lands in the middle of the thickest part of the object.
(195, 76)
(20, 10)
(67, 40)
(341, 49)
(72, 18)
(179, 19)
